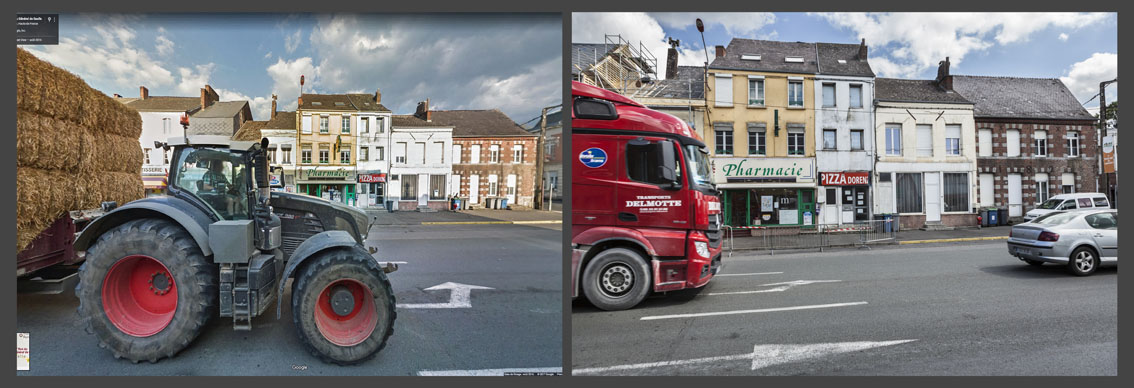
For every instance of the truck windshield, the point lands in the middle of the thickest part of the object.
(698, 161)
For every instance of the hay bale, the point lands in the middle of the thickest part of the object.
(52, 91)
(47, 143)
(114, 153)
(43, 195)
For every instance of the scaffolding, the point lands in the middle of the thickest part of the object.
(622, 66)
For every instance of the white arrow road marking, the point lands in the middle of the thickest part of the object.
(459, 297)
(487, 372)
(782, 287)
(761, 356)
(808, 307)
(748, 274)
(768, 355)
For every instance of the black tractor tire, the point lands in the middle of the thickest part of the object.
(618, 295)
(318, 273)
(193, 275)
(1089, 255)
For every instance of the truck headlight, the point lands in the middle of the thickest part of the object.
(702, 248)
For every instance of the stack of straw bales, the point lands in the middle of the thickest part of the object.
(75, 147)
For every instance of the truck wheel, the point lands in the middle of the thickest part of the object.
(616, 279)
(146, 290)
(343, 306)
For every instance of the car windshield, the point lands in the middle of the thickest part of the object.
(698, 161)
(217, 177)
(1055, 218)
(1050, 204)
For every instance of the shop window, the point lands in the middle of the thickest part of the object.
(909, 192)
(757, 133)
(409, 187)
(436, 187)
(956, 191)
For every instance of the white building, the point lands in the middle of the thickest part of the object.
(844, 138)
(926, 169)
(161, 119)
(373, 152)
(421, 165)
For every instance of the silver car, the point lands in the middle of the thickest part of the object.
(1082, 240)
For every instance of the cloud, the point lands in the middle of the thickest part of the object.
(917, 41)
(164, 46)
(108, 57)
(291, 42)
(1083, 77)
(637, 27)
(1063, 37)
(192, 80)
(261, 106)
(516, 93)
(737, 24)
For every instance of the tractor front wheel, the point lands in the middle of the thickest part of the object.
(343, 306)
(146, 290)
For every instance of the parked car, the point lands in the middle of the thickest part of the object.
(1081, 240)
(1069, 202)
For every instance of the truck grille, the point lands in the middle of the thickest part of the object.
(714, 231)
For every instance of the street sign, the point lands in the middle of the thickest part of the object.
(1109, 166)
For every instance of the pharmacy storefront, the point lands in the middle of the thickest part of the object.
(330, 183)
(766, 191)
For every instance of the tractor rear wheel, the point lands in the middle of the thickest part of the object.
(343, 306)
(146, 290)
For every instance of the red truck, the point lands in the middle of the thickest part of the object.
(645, 213)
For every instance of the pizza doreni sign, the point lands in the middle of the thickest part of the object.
(844, 178)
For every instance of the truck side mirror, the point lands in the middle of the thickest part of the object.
(667, 165)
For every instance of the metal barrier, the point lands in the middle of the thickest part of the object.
(820, 237)
(729, 232)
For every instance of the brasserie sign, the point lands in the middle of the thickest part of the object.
(736, 170)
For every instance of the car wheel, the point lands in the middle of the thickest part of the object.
(1083, 262)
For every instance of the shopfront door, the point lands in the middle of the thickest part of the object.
(932, 196)
(807, 207)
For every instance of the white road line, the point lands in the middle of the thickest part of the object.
(648, 365)
(783, 286)
(761, 356)
(487, 372)
(748, 274)
(768, 310)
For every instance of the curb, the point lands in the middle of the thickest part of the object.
(944, 240)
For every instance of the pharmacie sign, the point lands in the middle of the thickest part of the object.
(738, 170)
(316, 173)
(844, 178)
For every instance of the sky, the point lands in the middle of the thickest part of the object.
(510, 62)
(1080, 49)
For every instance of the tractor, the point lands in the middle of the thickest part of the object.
(157, 269)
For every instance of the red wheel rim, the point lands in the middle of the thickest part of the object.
(139, 296)
(350, 329)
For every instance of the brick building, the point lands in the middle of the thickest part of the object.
(1034, 140)
(493, 157)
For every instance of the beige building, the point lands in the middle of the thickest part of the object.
(328, 127)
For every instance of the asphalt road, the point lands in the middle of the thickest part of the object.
(516, 324)
(943, 309)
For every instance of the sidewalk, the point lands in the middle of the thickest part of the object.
(914, 236)
(479, 216)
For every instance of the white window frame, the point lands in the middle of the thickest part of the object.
(363, 154)
(494, 153)
(517, 153)
(324, 124)
(960, 144)
(859, 88)
(802, 93)
(922, 148)
(757, 80)
(1073, 139)
(474, 154)
(834, 95)
(1039, 144)
(834, 139)
(146, 152)
(457, 153)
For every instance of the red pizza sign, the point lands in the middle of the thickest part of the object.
(844, 178)
(371, 178)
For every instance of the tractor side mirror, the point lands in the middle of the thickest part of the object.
(261, 164)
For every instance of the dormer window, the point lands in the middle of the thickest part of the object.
(794, 59)
(339, 103)
(750, 57)
(316, 103)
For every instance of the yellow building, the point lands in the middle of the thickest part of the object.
(327, 130)
(760, 131)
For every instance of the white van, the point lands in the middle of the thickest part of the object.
(1069, 202)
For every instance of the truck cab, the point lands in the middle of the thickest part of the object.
(645, 213)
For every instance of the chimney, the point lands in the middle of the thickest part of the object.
(143, 93)
(862, 50)
(116, 95)
(671, 59)
(208, 97)
(944, 80)
(423, 111)
(378, 96)
(273, 106)
(720, 51)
